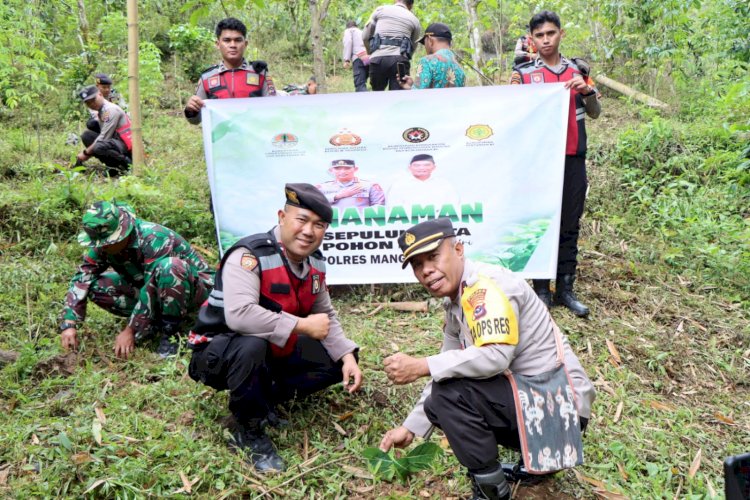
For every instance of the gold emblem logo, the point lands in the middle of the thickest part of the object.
(476, 300)
(345, 138)
(409, 239)
(292, 196)
(479, 132)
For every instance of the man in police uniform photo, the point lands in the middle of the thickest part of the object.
(493, 321)
(348, 190)
(112, 142)
(268, 332)
(234, 76)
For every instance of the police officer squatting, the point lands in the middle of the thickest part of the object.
(268, 332)
(502, 364)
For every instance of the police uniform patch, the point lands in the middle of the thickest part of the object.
(292, 196)
(253, 79)
(248, 261)
(489, 314)
(214, 81)
(537, 77)
(316, 284)
(409, 239)
(105, 116)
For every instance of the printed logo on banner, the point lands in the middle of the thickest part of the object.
(415, 135)
(537, 77)
(345, 138)
(479, 132)
(284, 140)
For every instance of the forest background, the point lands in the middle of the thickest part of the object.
(665, 260)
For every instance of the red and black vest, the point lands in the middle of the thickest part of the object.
(232, 83)
(531, 73)
(125, 134)
(280, 290)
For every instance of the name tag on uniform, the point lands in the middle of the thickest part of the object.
(253, 79)
(537, 77)
(214, 81)
(489, 314)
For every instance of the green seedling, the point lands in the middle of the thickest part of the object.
(387, 465)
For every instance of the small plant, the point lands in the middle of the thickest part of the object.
(387, 465)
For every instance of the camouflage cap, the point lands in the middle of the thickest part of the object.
(106, 223)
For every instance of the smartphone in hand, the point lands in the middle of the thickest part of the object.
(401, 70)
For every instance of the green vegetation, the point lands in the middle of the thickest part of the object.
(665, 262)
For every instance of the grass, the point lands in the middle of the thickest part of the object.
(669, 354)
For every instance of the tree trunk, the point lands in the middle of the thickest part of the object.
(133, 86)
(83, 24)
(474, 39)
(630, 92)
(318, 12)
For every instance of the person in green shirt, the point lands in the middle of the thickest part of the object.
(439, 68)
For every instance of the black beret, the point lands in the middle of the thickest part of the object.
(422, 157)
(424, 237)
(102, 79)
(308, 196)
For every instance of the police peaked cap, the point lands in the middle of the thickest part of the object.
(424, 237)
(343, 163)
(307, 196)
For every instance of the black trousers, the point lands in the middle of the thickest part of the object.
(476, 416)
(112, 152)
(383, 72)
(359, 73)
(573, 201)
(257, 380)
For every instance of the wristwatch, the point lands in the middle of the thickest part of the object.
(67, 324)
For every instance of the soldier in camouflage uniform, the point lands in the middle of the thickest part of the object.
(135, 269)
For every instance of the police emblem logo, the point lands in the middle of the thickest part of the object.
(105, 116)
(409, 239)
(214, 81)
(345, 138)
(248, 262)
(292, 196)
(537, 77)
(415, 135)
(479, 132)
(253, 79)
(316, 283)
(477, 301)
(284, 140)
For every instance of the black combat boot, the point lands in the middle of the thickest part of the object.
(170, 333)
(564, 295)
(261, 454)
(490, 486)
(541, 287)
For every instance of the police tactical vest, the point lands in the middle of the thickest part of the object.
(280, 289)
(233, 83)
(125, 134)
(533, 74)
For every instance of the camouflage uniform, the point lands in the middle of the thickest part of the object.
(157, 276)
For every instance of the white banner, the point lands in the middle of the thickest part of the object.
(496, 169)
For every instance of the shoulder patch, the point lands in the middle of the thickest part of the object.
(489, 314)
(248, 261)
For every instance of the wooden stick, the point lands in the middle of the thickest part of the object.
(630, 92)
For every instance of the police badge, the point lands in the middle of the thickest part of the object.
(537, 77)
(315, 284)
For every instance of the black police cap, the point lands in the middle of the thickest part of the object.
(102, 79)
(424, 237)
(87, 93)
(307, 196)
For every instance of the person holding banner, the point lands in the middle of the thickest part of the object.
(348, 190)
(501, 354)
(356, 56)
(268, 332)
(234, 76)
(551, 67)
(390, 35)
